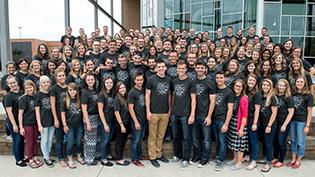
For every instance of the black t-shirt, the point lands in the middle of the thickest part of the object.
(182, 90)
(106, 55)
(265, 111)
(242, 64)
(222, 99)
(43, 101)
(307, 76)
(122, 109)
(20, 77)
(106, 73)
(252, 101)
(211, 73)
(12, 100)
(160, 91)
(148, 74)
(229, 80)
(236, 104)
(162, 57)
(108, 106)
(33, 78)
(172, 71)
(133, 69)
(60, 96)
(301, 103)
(27, 104)
(191, 73)
(90, 98)
(77, 80)
(204, 88)
(283, 105)
(73, 114)
(95, 57)
(136, 97)
(277, 75)
(123, 75)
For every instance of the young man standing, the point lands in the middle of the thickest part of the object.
(136, 107)
(183, 113)
(158, 101)
(205, 103)
(223, 110)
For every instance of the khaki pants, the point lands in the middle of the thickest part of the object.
(157, 128)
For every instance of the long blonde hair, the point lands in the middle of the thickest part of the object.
(287, 90)
(271, 92)
(72, 72)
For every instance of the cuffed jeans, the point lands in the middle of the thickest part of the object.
(180, 123)
(106, 137)
(18, 142)
(74, 135)
(253, 141)
(298, 138)
(221, 139)
(201, 139)
(280, 143)
(47, 136)
(136, 141)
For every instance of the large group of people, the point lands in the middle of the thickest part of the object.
(231, 90)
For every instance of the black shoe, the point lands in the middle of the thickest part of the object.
(194, 160)
(163, 159)
(49, 163)
(26, 160)
(106, 163)
(155, 163)
(92, 163)
(21, 163)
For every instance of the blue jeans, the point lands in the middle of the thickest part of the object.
(137, 137)
(221, 139)
(74, 136)
(267, 141)
(298, 138)
(59, 142)
(280, 143)
(253, 141)
(46, 141)
(105, 138)
(201, 139)
(179, 123)
(18, 142)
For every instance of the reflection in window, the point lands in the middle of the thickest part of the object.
(293, 7)
(310, 26)
(285, 26)
(297, 26)
(232, 6)
(196, 16)
(232, 20)
(272, 18)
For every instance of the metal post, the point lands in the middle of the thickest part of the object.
(67, 14)
(4, 34)
(95, 16)
(260, 16)
(112, 14)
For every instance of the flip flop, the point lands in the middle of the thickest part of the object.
(266, 168)
(278, 165)
(33, 165)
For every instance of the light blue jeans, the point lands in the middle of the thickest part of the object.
(298, 138)
(46, 141)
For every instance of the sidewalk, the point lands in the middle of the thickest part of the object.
(8, 169)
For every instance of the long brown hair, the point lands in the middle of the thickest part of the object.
(77, 96)
(122, 98)
(104, 90)
(305, 89)
(270, 93)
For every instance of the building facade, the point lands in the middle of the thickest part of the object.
(284, 19)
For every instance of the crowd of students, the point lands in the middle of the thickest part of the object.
(233, 90)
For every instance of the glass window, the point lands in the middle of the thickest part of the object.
(272, 18)
(232, 6)
(298, 41)
(293, 7)
(234, 20)
(196, 16)
(310, 26)
(285, 27)
(217, 19)
(275, 39)
(207, 24)
(169, 6)
(187, 21)
(178, 21)
(311, 9)
(297, 26)
(179, 6)
(309, 47)
(187, 5)
(208, 8)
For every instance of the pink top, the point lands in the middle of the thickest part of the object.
(242, 112)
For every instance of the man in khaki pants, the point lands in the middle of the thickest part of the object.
(158, 101)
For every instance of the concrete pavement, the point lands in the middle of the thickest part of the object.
(8, 169)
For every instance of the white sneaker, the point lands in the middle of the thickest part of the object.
(184, 164)
(175, 159)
